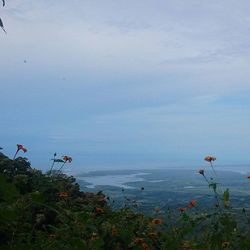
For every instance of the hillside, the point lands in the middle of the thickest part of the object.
(48, 211)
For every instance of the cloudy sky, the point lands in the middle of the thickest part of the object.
(126, 84)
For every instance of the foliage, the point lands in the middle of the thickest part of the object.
(48, 211)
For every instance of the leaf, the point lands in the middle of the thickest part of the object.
(57, 160)
(226, 201)
(213, 186)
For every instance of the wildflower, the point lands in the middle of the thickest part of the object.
(99, 210)
(19, 147)
(145, 246)
(192, 203)
(225, 244)
(63, 195)
(157, 221)
(138, 240)
(152, 234)
(201, 171)
(209, 158)
(182, 209)
(67, 158)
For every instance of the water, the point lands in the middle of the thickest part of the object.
(113, 180)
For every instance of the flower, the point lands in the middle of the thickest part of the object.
(152, 234)
(138, 240)
(67, 158)
(225, 244)
(145, 246)
(201, 171)
(21, 147)
(209, 158)
(192, 203)
(63, 195)
(99, 210)
(157, 221)
(182, 209)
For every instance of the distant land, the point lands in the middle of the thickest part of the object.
(166, 188)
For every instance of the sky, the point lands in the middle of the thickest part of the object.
(126, 84)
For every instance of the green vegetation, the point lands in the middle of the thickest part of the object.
(48, 211)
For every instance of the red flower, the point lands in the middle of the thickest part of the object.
(157, 221)
(192, 203)
(99, 210)
(209, 158)
(67, 158)
(63, 195)
(21, 147)
(182, 209)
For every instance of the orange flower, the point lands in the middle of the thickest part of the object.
(182, 209)
(192, 203)
(209, 158)
(138, 240)
(21, 147)
(63, 195)
(157, 221)
(225, 244)
(145, 246)
(67, 158)
(152, 234)
(99, 210)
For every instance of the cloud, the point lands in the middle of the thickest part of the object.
(114, 77)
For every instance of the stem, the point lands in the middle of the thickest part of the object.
(221, 189)
(52, 165)
(61, 166)
(213, 169)
(206, 179)
(15, 154)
